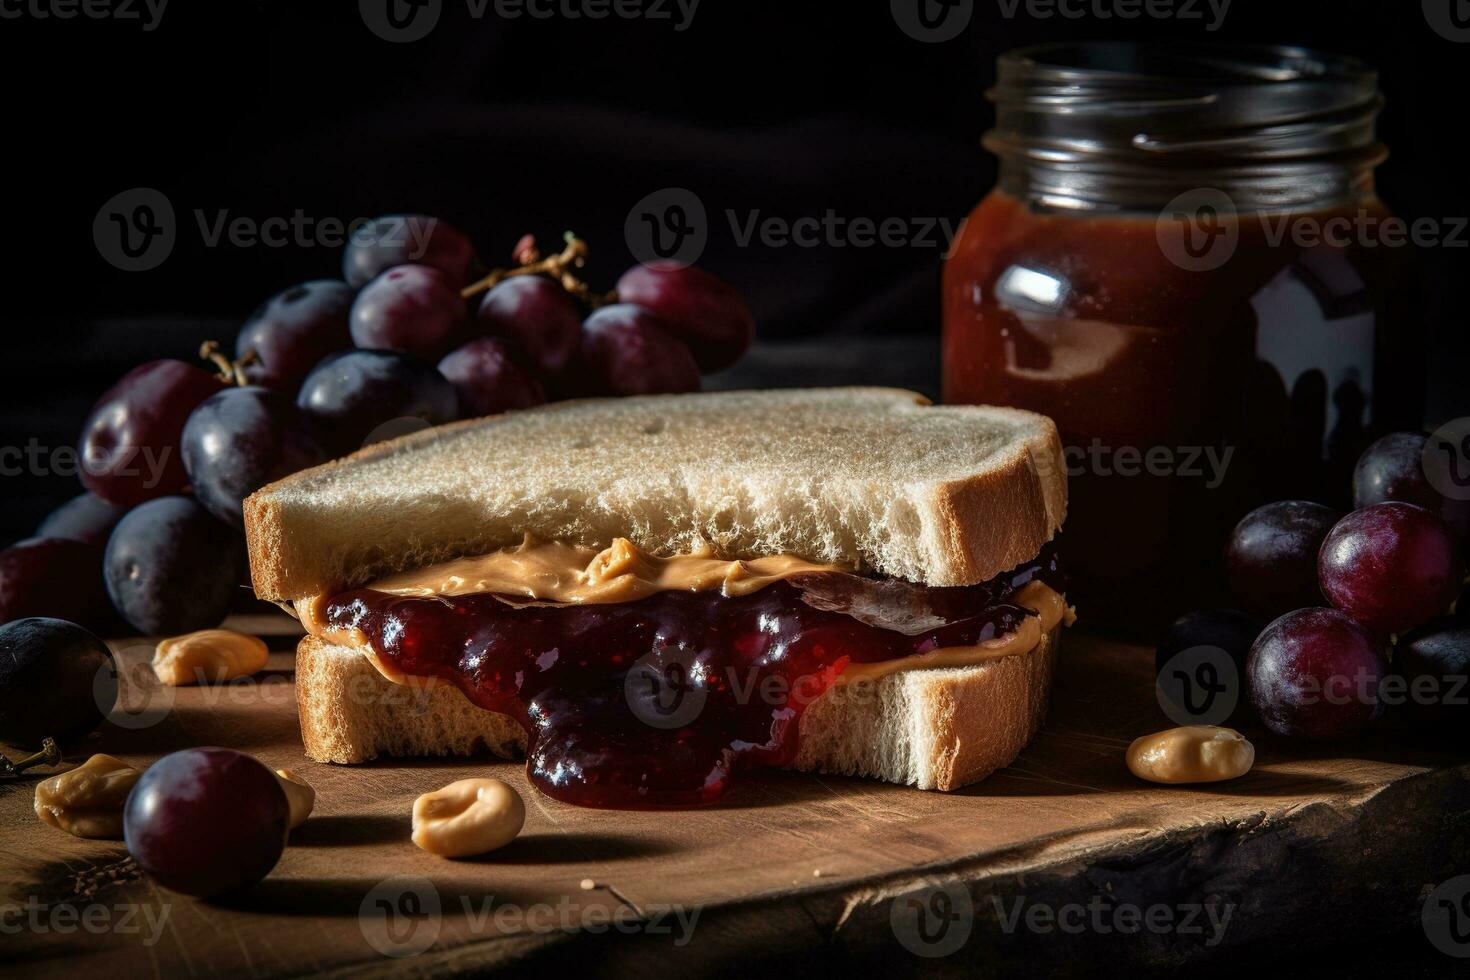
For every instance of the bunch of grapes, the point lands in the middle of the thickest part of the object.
(416, 333)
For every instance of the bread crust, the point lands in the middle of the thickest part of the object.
(929, 728)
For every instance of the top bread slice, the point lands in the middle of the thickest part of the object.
(875, 478)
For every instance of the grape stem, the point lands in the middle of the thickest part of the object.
(228, 371)
(556, 267)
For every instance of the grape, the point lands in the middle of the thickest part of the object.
(1194, 646)
(413, 309)
(1435, 664)
(1393, 469)
(1316, 673)
(206, 821)
(627, 351)
(539, 316)
(350, 395)
(172, 568)
(488, 380)
(239, 440)
(54, 577)
(1391, 566)
(703, 310)
(292, 331)
(47, 671)
(1272, 556)
(85, 517)
(401, 239)
(130, 442)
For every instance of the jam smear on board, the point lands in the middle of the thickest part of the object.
(660, 702)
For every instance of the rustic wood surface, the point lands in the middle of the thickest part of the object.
(793, 871)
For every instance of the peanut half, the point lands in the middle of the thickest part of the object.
(1192, 754)
(467, 817)
(88, 800)
(300, 797)
(208, 657)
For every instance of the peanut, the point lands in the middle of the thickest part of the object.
(470, 816)
(208, 656)
(88, 801)
(300, 797)
(1192, 754)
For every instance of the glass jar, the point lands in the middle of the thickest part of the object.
(1185, 265)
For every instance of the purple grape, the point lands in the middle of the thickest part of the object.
(48, 680)
(206, 821)
(56, 578)
(291, 332)
(412, 309)
(1391, 566)
(130, 442)
(404, 239)
(703, 310)
(1272, 556)
(173, 568)
(1393, 469)
(86, 518)
(1316, 673)
(349, 396)
(539, 316)
(1434, 662)
(488, 380)
(627, 351)
(239, 440)
(1193, 645)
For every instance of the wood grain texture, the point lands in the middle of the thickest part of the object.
(793, 871)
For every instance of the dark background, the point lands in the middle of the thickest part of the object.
(261, 110)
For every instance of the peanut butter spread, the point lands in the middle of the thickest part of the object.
(551, 571)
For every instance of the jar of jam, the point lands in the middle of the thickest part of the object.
(1186, 266)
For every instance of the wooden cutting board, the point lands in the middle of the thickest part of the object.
(1036, 867)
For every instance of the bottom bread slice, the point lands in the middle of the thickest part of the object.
(935, 729)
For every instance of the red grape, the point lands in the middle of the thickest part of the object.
(1316, 673)
(348, 396)
(1391, 566)
(703, 310)
(130, 442)
(292, 331)
(172, 568)
(488, 380)
(85, 517)
(239, 440)
(1393, 469)
(627, 351)
(206, 821)
(412, 309)
(49, 680)
(1435, 664)
(1272, 556)
(54, 577)
(540, 316)
(404, 239)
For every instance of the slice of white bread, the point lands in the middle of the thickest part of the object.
(873, 477)
(939, 728)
